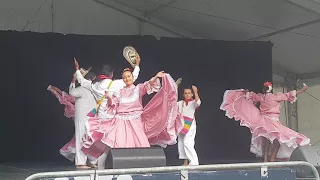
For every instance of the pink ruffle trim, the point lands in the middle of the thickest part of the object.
(151, 88)
(65, 99)
(287, 144)
(232, 114)
(69, 150)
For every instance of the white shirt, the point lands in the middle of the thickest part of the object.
(85, 101)
(98, 89)
(189, 110)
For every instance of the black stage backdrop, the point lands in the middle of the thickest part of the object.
(33, 127)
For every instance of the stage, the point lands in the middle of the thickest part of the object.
(20, 171)
(17, 171)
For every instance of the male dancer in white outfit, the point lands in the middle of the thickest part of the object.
(100, 86)
(187, 136)
(84, 103)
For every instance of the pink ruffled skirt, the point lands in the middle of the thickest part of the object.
(65, 99)
(69, 150)
(261, 125)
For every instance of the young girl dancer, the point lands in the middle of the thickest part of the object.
(186, 137)
(264, 123)
(132, 125)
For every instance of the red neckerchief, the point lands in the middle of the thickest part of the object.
(188, 100)
(103, 77)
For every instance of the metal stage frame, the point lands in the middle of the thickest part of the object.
(183, 169)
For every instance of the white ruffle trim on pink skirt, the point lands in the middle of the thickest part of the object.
(289, 140)
(69, 150)
(284, 152)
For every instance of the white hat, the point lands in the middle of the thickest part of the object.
(130, 54)
(84, 72)
(178, 82)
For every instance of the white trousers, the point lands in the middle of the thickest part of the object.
(102, 161)
(80, 157)
(186, 145)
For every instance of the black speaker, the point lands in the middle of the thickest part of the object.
(121, 158)
(310, 154)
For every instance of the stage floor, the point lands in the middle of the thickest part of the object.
(19, 171)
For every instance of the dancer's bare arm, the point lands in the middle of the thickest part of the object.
(305, 87)
(196, 95)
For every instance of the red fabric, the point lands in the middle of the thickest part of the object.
(188, 100)
(103, 77)
(267, 84)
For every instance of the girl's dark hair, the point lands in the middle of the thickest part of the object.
(189, 88)
(127, 69)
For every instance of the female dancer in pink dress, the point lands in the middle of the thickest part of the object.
(133, 125)
(269, 137)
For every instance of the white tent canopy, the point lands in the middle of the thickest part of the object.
(292, 25)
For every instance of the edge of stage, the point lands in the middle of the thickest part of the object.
(20, 171)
